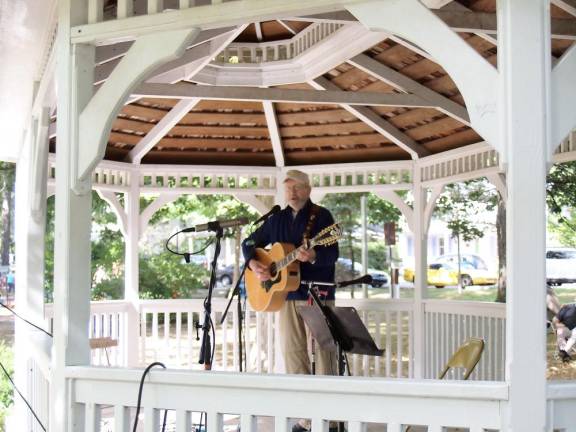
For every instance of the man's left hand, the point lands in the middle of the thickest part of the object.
(308, 255)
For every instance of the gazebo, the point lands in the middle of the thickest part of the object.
(171, 97)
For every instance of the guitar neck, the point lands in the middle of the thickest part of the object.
(291, 257)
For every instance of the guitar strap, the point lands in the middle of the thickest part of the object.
(311, 219)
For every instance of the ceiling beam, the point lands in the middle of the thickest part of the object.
(105, 53)
(481, 22)
(408, 85)
(286, 26)
(147, 143)
(466, 21)
(193, 59)
(568, 6)
(274, 131)
(376, 122)
(335, 96)
(258, 28)
(436, 4)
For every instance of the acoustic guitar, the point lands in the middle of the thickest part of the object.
(270, 295)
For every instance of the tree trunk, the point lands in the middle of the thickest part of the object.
(501, 238)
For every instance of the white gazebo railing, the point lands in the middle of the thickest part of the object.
(275, 51)
(168, 334)
(276, 400)
(449, 323)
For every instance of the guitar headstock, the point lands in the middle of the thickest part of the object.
(328, 236)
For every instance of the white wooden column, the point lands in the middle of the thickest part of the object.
(420, 224)
(524, 62)
(132, 270)
(72, 278)
(30, 343)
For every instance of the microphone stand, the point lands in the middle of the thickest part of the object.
(206, 353)
(236, 292)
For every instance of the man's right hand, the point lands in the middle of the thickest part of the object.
(262, 271)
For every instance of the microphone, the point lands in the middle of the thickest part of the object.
(366, 279)
(272, 211)
(217, 224)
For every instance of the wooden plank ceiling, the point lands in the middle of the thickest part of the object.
(234, 132)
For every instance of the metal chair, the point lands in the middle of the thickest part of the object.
(466, 356)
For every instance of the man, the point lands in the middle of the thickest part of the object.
(290, 226)
(564, 323)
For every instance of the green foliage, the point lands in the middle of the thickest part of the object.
(463, 207)
(167, 276)
(107, 252)
(561, 201)
(6, 391)
(7, 181)
(562, 225)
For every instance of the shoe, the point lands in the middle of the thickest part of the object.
(299, 428)
(564, 356)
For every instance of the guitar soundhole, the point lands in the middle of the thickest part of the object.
(276, 277)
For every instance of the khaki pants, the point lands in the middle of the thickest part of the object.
(296, 341)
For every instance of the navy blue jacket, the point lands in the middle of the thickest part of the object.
(283, 227)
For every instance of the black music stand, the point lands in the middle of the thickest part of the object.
(337, 328)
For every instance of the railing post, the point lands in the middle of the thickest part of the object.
(525, 69)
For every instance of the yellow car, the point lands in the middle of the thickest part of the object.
(444, 272)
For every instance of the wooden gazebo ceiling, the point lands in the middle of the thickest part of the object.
(235, 132)
(271, 31)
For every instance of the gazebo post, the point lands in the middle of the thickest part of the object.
(420, 228)
(524, 62)
(72, 279)
(132, 271)
(31, 185)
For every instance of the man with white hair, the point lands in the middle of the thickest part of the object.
(300, 218)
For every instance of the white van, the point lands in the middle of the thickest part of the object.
(560, 266)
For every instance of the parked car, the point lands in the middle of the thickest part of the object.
(344, 271)
(443, 271)
(225, 275)
(560, 266)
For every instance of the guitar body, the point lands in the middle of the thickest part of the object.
(269, 296)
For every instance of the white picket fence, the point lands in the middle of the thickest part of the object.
(269, 403)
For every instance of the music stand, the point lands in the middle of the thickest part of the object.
(337, 327)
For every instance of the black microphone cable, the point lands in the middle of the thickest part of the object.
(25, 320)
(22, 396)
(140, 397)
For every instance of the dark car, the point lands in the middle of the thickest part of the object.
(225, 275)
(344, 272)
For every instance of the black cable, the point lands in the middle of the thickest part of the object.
(25, 320)
(187, 254)
(140, 397)
(22, 396)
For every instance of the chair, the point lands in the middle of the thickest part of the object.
(466, 356)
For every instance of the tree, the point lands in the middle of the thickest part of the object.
(561, 201)
(463, 207)
(346, 211)
(7, 183)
